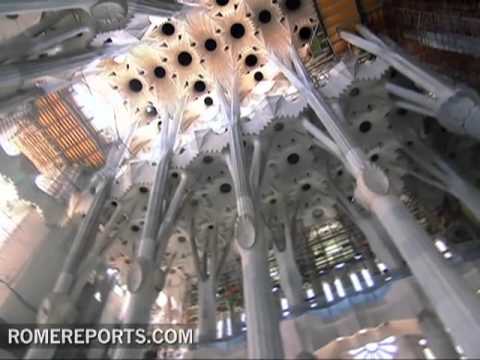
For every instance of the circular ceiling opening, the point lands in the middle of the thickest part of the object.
(237, 30)
(210, 44)
(184, 58)
(258, 76)
(168, 29)
(221, 2)
(135, 228)
(114, 203)
(317, 213)
(374, 158)
(305, 33)
(278, 127)
(293, 5)
(354, 92)
(208, 101)
(293, 158)
(207, 159)
(365, 126)
(251, 60)
(306, 187)
(135, 85)
(159, 72)
(199, 86)
(264, 16)
(143, 189)
(181, 239)
(151, 111)
(225, 188)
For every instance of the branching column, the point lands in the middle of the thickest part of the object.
(146, 279)
(456, 108)
(456, 305)
(207, 283)
(442, 175)
(60, 306)
(290, 277)
(263, 334)
(372, 230)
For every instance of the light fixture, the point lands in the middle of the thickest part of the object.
(356, 282)
(327, 291)
(367, 277)
(384, 349)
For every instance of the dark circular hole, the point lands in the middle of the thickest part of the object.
(199, 86)
(264, 16)
(293, 158)
(175, 175)
(108, 41)
(210, 44)
(225, 188)
(12, 16)
(258, 76)
(207, 159)
(151, 111)
(306, 187)
(293, 5)
(237, 31)
(143, 189)
(135, 85)
(305, 33)
(355, 92)
(114, 203)
(365, 126)
(159, 72)
(181, 239)
(278, 127)
(221, 2)
(135, 228)
(251, 60)
(168, 29)
(273, 201)
(208, 101)
(339, 172)
(374, 158)
(184, 58)
(210, 227)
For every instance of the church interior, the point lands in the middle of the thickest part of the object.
(291, 179)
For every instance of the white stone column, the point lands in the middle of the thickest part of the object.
(263, 334)
(437, 338)
(456, 305)
(207, 310)
(290, 277)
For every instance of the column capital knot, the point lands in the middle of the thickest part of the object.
(371, 182)
(245, 232)
(138, 273)
(458, 111)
